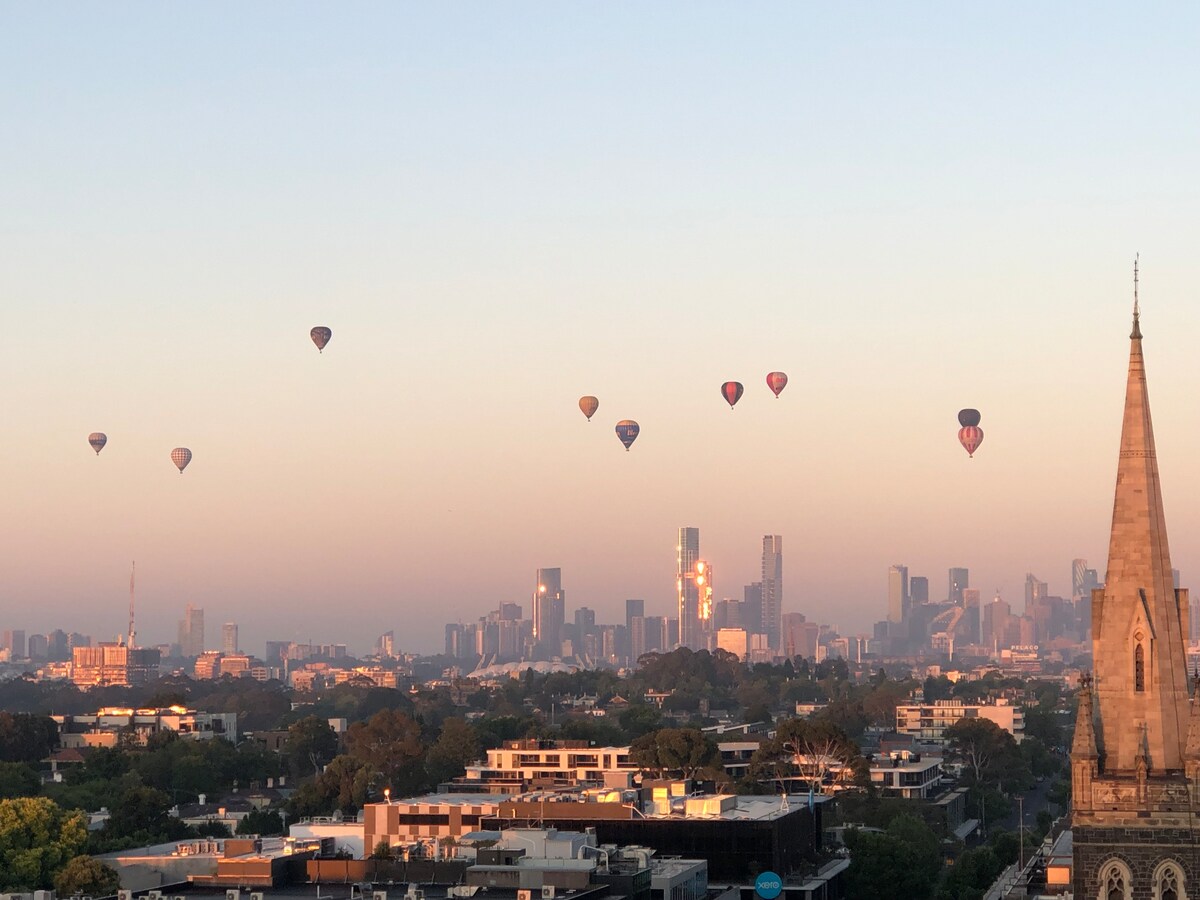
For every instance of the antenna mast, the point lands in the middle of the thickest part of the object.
(132, 630)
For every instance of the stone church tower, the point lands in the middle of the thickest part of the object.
(1135, 760)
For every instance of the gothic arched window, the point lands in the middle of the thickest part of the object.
(1168, 882)
(1139, 669)
(1114, 881)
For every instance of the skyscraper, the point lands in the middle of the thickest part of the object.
(1035, 590)
(959, 581)
(549, 612)
(229, 639)
(191, 632)
(918, 590)
(772, 589)
(1135, 757)
(1083, 581)
(687, 554)
(897, 594)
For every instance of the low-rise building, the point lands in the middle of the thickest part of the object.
(929, 721)
(113, 665)
(111, 726)
(907, 774)
(516, 766)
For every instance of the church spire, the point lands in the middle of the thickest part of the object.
(1138, 646)
(1136, 334)
(1084, 744)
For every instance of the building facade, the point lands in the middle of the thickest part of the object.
(1135, 758)
(687, 591)
(549, 612)
(772, 592)
(928, 722)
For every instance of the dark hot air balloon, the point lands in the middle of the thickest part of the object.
(97, 439)
(968, 417)
(181, 456)
(732, 392)
(776, 381)
(627, 431)
(320, 336)
(588, 406)
(970, 436)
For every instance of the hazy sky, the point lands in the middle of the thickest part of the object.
(498, 207)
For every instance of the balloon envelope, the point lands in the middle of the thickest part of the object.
(588, 406)
(627, 431)
(320, 336)
(732, 392)
(181, 456)
(970, 436)
(776, 381)
(968, 417)
(97, 439)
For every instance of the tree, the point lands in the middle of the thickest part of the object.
(37, 838)
(456, 748)
(140, 809)
(311, 744)
(85, 875)
(26, 738)
(390, 745)
(814, 749)
(383, 850)
(884, 865)
(262, 822)
(681, 752)
(18, 780)
(989, 753)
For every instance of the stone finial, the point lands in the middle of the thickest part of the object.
(1084, 744)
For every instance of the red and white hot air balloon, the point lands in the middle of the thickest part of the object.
(970, 436)
(732, 392)
(777, 381)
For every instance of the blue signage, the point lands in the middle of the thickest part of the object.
(768, 885)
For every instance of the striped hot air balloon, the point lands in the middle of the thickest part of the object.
(970, 436)
(732, 392)
(777, 381)
(181, 456)
(588, 406)
(97, 439)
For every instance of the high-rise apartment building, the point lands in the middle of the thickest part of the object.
(897, 594)
(688, 590)
(752, 607)
(959, 582)
(772, 589)
(1083, 581)
(229, 639)
(191, 632)
(549, 612)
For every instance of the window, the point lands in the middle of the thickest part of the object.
(1114, 881)
(1139, 669)
(1168, 882)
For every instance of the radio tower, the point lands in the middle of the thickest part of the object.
(132, 630)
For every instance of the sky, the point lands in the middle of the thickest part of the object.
(497, 208)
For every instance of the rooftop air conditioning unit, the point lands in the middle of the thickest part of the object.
(379, 895)
(233, 894)
(154, 895)
(121, 895)
(256, 895)
(547, 892)
(524, 895)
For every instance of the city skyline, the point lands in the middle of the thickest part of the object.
(500, 213)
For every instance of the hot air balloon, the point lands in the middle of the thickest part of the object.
(776, 381)
(968, 417)
(970, 436)
(181, 456)
(320, 336)
(97, 439)
(588, 406)
(627, 431)
(732, 392)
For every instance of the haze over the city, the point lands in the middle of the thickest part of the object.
(499, 208)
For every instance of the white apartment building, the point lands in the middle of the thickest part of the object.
(111, 726)
(927, 722)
